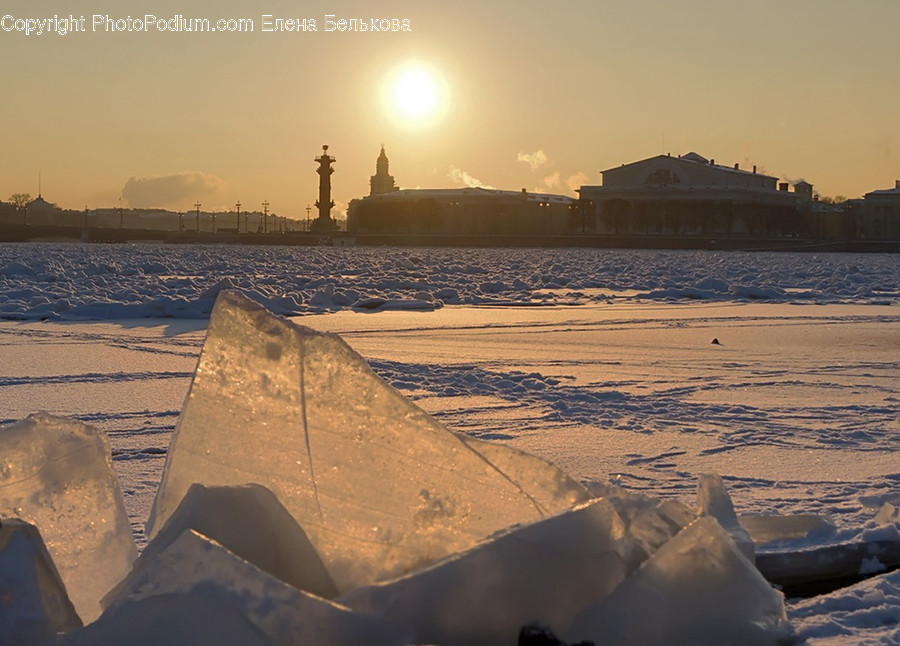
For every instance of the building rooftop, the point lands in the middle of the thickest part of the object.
(471, 191)
(887, 191)
(693, 158)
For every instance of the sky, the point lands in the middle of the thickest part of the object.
(525, 94)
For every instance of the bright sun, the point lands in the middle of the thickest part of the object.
(416, 95)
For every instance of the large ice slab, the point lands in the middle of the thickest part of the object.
(378, 485)
(194, 565)
(56, 473)
(248, 521)
(34, 605)
(817, 570)
(697, 589)
(545, 571)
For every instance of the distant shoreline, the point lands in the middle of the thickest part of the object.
(45, 233)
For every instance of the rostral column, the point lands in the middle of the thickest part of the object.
(324, 222)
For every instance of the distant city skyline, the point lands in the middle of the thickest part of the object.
(509, 95)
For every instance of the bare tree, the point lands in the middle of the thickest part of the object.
(20, 199)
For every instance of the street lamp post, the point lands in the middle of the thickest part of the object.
(197, 206)
(238, 207)
(265, 206)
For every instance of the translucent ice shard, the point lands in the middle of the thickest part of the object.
(545, 571)
(649, 522)
(249, 522)
(771, 528)
(56, 473)
(696, 589)
(33, 601)
(713, 500)
(194, 565)
(379, 487)
(653, 527)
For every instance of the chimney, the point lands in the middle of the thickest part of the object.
(783, 186)
(712, 162)
(754, 168)
(897, 184)
(737, 166)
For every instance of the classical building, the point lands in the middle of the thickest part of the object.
(382, 181)
(479, 211)
(691, 195)
(459, 211)
(879, 218)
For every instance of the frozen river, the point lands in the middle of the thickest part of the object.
(601, 362)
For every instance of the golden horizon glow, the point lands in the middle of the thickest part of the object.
(511, 95)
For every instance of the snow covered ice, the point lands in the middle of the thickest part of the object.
(34, 605)
(379, 487)
(72, 282)
(797, 407)
(867, 613)
(56, 474)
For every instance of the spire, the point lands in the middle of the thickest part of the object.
(381, 181)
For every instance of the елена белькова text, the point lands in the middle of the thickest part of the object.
(105, 23)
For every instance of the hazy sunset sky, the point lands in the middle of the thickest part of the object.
(529, 94)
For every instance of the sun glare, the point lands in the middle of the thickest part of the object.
(416, 95)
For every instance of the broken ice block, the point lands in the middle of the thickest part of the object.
(188, 619)
(653, 527)
(771, 528)
(249, 522)
(379, 487)
(649, 522)
(195, 565)
(808, 572)
(56, 473)
(888, 514)
(713, 500)
(33, 601)
(545, 571)
(698, 589)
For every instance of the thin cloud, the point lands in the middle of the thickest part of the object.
(551, 180)
(165, 190)
(576, 181)
(536, 159)
(458, 176)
